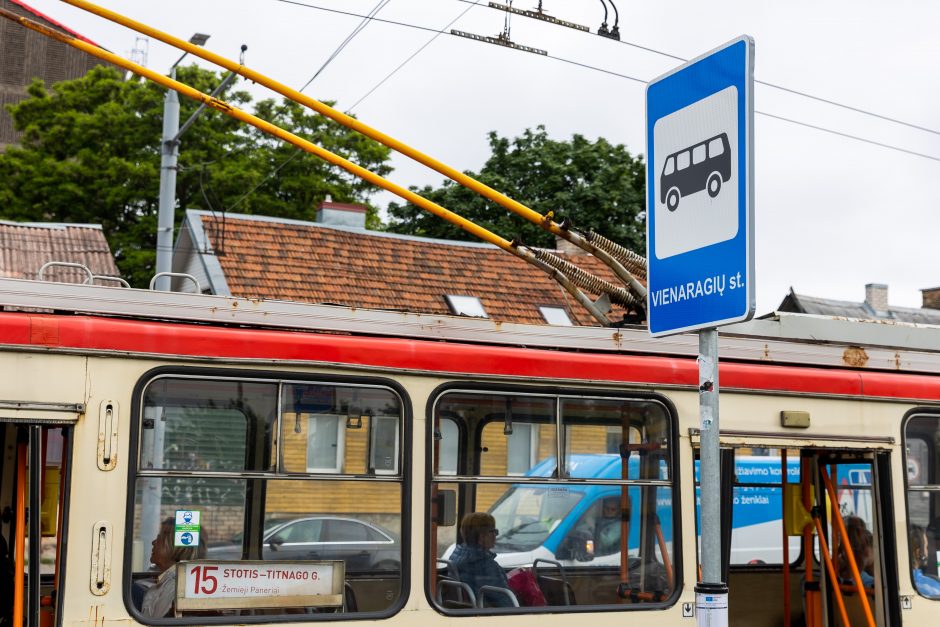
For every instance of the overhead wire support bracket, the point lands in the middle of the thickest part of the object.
(499, 40)
(521, 251)
(544, 221)
(538, 15)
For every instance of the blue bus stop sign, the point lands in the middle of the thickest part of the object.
(700, 192)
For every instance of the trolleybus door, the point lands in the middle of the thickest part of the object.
(798, 517)
(33, 485)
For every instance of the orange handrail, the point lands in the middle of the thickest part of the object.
(664, 552)
(19, 558)
(827, 559)
(849, 554)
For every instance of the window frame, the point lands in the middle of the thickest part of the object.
(402, 479)
(551, 314)
(674, 483)
(340, 454)
(465, 305)
(923, 487)
(373, 420)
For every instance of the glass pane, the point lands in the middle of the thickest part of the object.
(220, 504)
(447, 447)
(698, 154)
(442, 536)
(683, 159)
(328, 428)
(922, 457)
(670, 166)
(523, 444)
(324, 440)
(715, 147)
(615, 439)
(757, 527)
(527, 514)
(581, 527)
(383, 453)
(198, 425)
(521, 448)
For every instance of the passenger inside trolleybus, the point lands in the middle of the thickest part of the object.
(279, 471)
(503, 451)
(157, 600)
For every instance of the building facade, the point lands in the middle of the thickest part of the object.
(26, 55)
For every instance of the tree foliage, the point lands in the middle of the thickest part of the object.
(90, 153)
(596, 185)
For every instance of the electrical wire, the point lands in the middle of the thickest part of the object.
(359, 28)
(639, 80)
(413, 55)
(790, 90)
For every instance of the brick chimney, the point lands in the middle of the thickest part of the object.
(341, 214)
(931, 297)
(876, 296)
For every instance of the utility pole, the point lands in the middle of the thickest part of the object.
(169, 158)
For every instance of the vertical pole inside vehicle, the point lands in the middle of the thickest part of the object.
(711, 594)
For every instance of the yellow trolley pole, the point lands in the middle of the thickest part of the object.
(516, 207)
(474, 229)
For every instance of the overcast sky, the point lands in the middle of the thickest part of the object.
(833, 213)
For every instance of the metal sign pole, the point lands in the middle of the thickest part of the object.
(711, 594)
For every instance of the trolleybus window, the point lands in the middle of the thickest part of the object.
(922, 458)
(596, 528)
(271, 471)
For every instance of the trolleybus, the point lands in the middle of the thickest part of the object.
(314, 463)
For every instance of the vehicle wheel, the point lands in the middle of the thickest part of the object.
(672, 199)
(714, 184)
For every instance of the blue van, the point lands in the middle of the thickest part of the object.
(553, 521)
(544, 521)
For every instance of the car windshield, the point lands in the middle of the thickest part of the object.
(525, 515)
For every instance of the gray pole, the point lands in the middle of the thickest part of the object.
(169, 157)
(169, 154)
(711, 596)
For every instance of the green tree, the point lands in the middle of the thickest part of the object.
(596, 185)
(91, 153)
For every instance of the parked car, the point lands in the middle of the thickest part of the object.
(361, 545)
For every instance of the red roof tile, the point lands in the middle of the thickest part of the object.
(25, 247)
(266, 258)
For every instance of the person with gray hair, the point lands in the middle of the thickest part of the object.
(158, 600)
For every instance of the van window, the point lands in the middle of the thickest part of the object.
(715, 147)
(698, 153)
(670, 166)
(584, 521)
(682, 159)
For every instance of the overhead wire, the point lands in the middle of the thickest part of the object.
(359, 28)
(545, 221)
(517, 249)
(588, 66)
(795, 92)
(412, 56)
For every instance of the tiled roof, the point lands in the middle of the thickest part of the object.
(25, 247)
(800, 303)
(305, 261)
